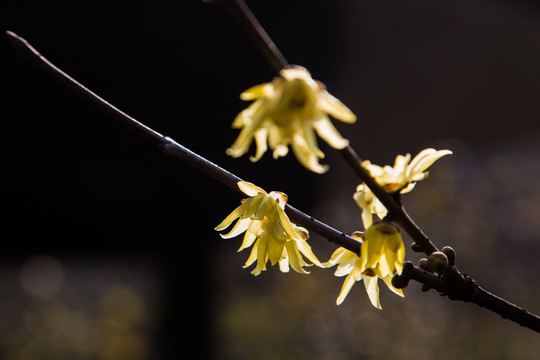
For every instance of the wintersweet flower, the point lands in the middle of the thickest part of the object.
(290, 110)
(370, 204)
(269, 230)
(402, 178)
(405, 173)
(382, 255)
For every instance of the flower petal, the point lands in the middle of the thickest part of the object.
(425, 159)
(238, 228)
(336, 257)
(345, 289)
(284, 264)
(372, 289)
(275, 250)
(344, 268)
(250, 189)
(294, 257)
(305, 250)
(260, 137)
(335, 108)
(236, 213)
(253, 255)
(388, 281)
(286, 223)
(328, 133)
(258, 91)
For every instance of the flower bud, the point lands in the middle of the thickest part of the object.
(450, 254)
(423, 263)
(437, 262)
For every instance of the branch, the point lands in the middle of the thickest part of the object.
(469, 291)
(255, 31)
(451, 284)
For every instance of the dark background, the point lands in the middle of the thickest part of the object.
(90, 196)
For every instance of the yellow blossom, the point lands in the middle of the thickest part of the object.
(290, 110)
(382, 255)
(369, 203)
(401, 177)
(405, 173)
(269, 230)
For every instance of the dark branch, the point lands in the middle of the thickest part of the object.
(255, 31)
(468, 291)
(452, 283)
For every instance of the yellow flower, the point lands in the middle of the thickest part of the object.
(402, 177)
(370, 204)
(382, 255)
(405, 173)
(289, 110)
(269, 230)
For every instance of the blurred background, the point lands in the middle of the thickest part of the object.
(108, 248)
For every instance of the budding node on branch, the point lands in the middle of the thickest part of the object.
(423, 263)
(437, 262)
(450, 254)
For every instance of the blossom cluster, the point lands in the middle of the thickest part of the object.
(292, 110)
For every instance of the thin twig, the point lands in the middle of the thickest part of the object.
(255, 31)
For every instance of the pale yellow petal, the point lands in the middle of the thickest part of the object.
(253, 255)
(275, 250)
(295, 72)
(357, 271)
(372, 289)
(306, 250)
(411, 185)
(262, 252)
(252, 233)
(260, 137)
(251, 123)
(336, 257)
(372, 247)
(388, 281)
(250, 189)
(344, 268)
(384, 267)
(335, 108)
(249, 239)
(425, 159)
(306, 156)
(265, 208)
(328, 133)
(294, 257)
(236, 213)
(258, 91)
(238, 228)
(345, 289)
(254, 204)
(286, 223)
(284, 264)
(242, 144)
